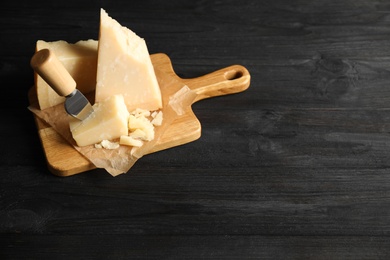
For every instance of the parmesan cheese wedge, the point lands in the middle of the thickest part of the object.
(124, 67)
(109, 121)
(79, 59)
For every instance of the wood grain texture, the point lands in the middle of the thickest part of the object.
(296, 167)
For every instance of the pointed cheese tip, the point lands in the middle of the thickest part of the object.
(105, 19)
(108, 21)
(103, 13)
(128, 40)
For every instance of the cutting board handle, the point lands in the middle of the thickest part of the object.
(47, 65)
(229, 80)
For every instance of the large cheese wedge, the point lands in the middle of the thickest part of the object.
(124, 67)
(80, 60)
(108, 122)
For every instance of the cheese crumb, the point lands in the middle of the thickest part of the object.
(140, 113)
(107, 145)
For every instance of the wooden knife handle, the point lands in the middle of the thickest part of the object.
(47, 65)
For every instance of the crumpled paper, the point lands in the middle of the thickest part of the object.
(176, 97)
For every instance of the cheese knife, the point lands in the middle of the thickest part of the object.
(46, 64)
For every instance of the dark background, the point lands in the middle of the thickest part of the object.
(295, 167)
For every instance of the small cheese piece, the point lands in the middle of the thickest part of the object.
(124, 67)
(107, 145)
(79, 59)
(143, 126)
(139, 134)
(108, 122)
(130, 141)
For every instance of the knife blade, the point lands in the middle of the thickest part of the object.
(46, 64)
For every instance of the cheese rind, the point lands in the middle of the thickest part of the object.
(79, 59)
(124, 67)
(109, 121)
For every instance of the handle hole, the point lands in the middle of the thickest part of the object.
(233, 74)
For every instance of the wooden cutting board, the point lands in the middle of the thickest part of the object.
(64, 160)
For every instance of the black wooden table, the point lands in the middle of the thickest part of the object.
(297, 166)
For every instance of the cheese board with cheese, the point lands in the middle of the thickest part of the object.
(64, 160)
